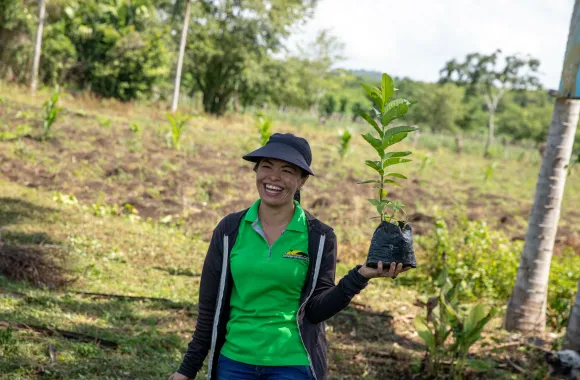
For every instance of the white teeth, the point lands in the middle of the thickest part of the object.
(272, 187)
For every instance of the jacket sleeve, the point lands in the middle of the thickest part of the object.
(328, 298)
(199, 346)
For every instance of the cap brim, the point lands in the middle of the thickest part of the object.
(280, 152)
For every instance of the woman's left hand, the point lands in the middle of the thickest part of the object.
(393, 271)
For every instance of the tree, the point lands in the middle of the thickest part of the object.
(17, 24)
(442, 107)
(342, 106)
(572, 340)
(526, 310)
(526, 117)
(38, 44)
(482, 74)
(120, 46)
(176, 86)
(228, 35)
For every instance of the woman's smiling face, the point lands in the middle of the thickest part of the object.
(277, 181)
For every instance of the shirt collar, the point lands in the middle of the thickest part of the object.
(298, 222)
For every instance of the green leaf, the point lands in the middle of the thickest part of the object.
(374, 202)
(369, 181)
(376, 143)
(473, 335)
(478, 365)
(476, 314)
(392, 182)
(397, 154)
(396, 175)
(425, 333)
(371, 121)
(442, 277)
(394, 109)
(388, 87)
(393, 140)
(394, 161)
(375, 95)
(375, 165)
(396, 130)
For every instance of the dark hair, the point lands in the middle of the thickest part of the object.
(303, 173)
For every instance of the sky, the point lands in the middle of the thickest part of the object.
(416, 38)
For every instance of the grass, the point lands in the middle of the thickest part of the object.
(179, 198)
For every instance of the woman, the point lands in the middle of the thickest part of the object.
(268, 280)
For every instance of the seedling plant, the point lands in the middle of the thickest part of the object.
(386, 111)
(178, 122)
(264, 127)
(344, 147)
(51, 111)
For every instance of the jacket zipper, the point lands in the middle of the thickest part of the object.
(314, 279)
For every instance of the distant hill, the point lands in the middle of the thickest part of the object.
(371, 75)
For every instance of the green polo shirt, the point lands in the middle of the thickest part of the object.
(267, 282)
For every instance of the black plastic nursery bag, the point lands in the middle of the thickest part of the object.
(392, 243)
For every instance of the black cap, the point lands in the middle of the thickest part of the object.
(285, 147)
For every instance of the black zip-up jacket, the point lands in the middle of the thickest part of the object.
(320, 298)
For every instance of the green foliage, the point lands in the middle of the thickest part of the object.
(526, 116)
(178, 122)
(446, 317)
(7, 342)
(229, 38)
(484, 76)
(442, 107)
(564, 274)
(344, 147)
(386, 111)
(342, 105)
(51, 111)
(327, 107)
(356, 110)
(483, 263)
(17, 24)
(264, 127)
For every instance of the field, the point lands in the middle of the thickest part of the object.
(129, 218)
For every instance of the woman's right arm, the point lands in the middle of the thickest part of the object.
(208, 291)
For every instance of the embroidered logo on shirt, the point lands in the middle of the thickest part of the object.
(296, 254)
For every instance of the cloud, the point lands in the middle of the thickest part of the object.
(416, 38)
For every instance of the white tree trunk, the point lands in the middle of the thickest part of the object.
(177, 84)
(526, 309)
(38, 45)
(490, 132)
(572, 340)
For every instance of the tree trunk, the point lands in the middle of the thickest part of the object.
(416, 136)
(38, 45)
(490, 132)
(177, 84)
(236, 99)
(458, 143)
(572, 340)
(526, 309)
